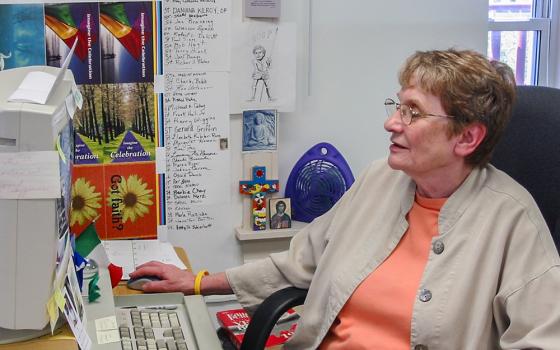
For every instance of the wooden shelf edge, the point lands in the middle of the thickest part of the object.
(244, 234)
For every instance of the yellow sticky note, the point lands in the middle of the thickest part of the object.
(59, 299)
(53, 312)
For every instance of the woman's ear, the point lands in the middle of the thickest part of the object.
(469, 139)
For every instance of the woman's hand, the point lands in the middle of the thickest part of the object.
(173, 279)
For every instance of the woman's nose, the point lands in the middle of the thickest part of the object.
(393, 122)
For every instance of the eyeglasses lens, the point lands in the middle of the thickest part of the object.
(406, 114)
(390, 107)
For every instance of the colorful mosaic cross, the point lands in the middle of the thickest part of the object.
(258, 187)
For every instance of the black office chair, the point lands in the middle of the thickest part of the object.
(529, 151)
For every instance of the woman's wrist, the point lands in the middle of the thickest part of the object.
(198, 281)
(215, 284)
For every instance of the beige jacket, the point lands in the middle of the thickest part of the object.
(494, 284)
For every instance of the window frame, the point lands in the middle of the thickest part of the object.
(540, 23)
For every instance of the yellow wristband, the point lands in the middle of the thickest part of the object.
(198, 280)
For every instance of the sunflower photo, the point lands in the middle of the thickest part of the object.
(130, 200)
(87, 198)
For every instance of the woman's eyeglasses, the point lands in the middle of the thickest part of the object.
(407, 114)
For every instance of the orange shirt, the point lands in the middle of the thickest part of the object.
(378, 314)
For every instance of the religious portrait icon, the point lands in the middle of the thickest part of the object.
(280, 213)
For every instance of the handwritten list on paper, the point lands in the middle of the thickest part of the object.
(196, 118)
(29, 175)
(196, 35)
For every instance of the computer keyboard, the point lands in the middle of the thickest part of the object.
(164, 322)
(151, 329)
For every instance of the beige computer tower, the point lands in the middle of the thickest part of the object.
(29, 228)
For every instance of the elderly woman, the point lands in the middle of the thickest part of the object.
(431, 249)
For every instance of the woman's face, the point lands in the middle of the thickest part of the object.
(424, 146)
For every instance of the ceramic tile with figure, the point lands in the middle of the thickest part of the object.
(260, 130)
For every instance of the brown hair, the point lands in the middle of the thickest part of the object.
(471, 88)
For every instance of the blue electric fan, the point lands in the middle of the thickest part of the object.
(317, 181)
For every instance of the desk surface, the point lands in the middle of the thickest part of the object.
(122, 289)
(47, 342)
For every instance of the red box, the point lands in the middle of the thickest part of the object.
(236, 321)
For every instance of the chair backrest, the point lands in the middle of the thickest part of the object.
(530, 150)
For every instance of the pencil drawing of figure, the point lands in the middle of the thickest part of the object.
(261, 73)
(2, 57)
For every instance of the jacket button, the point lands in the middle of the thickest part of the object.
(438, 247)
(421, 347)
(425, 295)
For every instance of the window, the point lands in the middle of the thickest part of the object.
(519, 35)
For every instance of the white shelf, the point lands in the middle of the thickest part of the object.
(243, 234)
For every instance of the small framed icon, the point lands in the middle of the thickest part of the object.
(280, 210)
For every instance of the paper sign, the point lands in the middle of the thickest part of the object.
(70, 105)
(29, 175)
(106, 323)
(106, 337)
(129, 254)
(78, 98)
(107, 330)
(262, 8)
(37, 87)
(34, 88)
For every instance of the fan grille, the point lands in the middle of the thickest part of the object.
(319, 185)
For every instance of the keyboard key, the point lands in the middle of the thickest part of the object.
(124, 332)
(136, 321)
(168, 333)
(126, 344)
(151, 344)
(178, 333)
(139, 333)
(160, 343)
(182, 345)
(141, 344)
(171, 345)
(149, 333)
(174, 320)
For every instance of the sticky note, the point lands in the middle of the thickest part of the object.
(59, 299)
(53, 313)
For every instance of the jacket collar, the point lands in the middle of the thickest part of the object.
(457, 203)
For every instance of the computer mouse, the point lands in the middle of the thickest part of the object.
(137, 283)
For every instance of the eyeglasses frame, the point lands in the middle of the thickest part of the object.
(413, 114)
